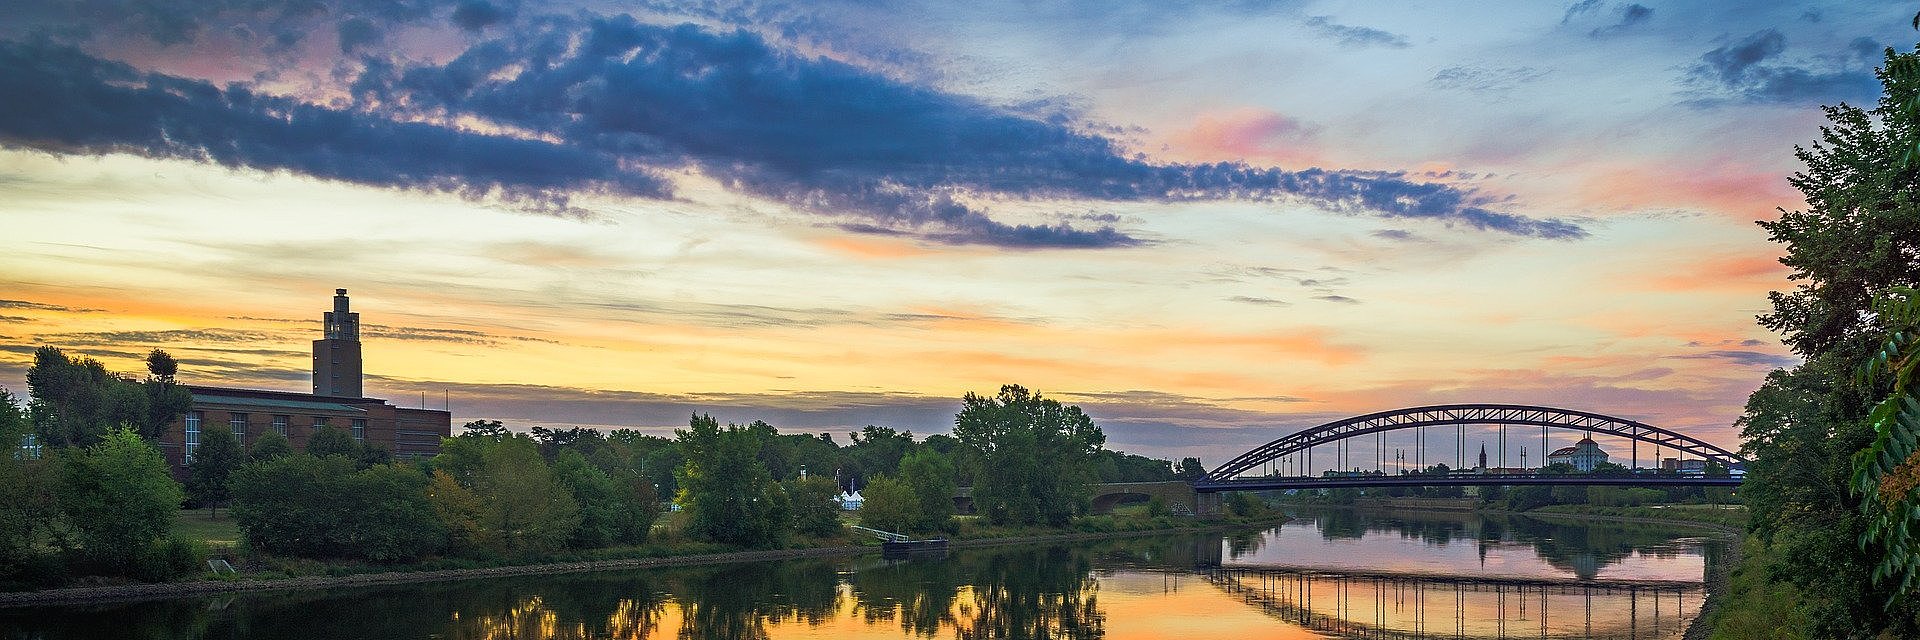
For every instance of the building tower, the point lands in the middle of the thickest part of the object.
(1483, 455)
(336, 356)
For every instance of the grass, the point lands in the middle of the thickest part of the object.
(197, 525)
(1756, 606)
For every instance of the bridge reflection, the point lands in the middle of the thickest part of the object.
(1365, 604)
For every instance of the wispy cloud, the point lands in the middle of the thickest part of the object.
(1356, 36)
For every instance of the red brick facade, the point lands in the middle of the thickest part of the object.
(250, 413)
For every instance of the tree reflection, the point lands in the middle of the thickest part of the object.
(1036, 594)
(738, 601)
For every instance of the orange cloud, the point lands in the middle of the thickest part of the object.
(1730, 189)
(1246, 134)
(870, 248)
(1738, 273)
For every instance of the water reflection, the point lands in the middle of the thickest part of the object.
(1228, 586)
(1469, 542)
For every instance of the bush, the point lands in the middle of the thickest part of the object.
(119, 498)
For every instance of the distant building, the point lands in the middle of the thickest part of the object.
(1676, 465)
(1583, 455)
(336, 401)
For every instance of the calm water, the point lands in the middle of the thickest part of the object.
(1328, 574)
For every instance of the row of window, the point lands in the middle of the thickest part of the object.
(237, 423)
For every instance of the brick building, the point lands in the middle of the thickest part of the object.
(336, 401)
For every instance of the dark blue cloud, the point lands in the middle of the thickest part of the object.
(64, 101)
(1748, 70)
(833, 137)
(614, 101)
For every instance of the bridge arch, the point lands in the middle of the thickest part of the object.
(1466, 414)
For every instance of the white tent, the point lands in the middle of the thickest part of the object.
(850, 500)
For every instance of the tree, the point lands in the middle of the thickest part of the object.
(166, 400)
(1858, 237)
(815, 512)
(387, 516)
(929, 476)
(292, 505)
(76, 401)
(726, 490)
(329, 441)
(213, 463)
(601, 501)
(458, 510)
(1034, 455)
(119, 498)
(526, 509)
(1190, 470)
(270, 445)
(889, 506)
(323, 508)
(27, 500)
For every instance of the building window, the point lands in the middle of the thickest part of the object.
(280, 425)
(193, 437)
(30, 447)
(319, 422)
(238, 421)
(360, 430)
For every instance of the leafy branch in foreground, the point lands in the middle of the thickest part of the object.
(1887, 471)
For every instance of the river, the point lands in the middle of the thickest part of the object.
(1329, 573)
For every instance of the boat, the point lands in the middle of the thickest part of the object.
(896, 548)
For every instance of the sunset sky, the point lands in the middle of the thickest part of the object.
(1207, 226)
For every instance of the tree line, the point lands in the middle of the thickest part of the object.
(97, 498)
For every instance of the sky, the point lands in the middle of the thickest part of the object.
(1209, 225)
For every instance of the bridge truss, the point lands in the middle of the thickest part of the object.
(1467, 414)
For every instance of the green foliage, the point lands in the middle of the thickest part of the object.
(332, 441)
(601, 501)
(1244, 505)
(118, 497)
(76, 401)
(889, 506)
(1886, 473)
(28, 507)
(728, 494)
(270, 445)
(324, 508)
(1190, 470)
(1034, 454)
(389, 518)
(815, 512)
(166, 400)
(526, 508)
(1809, 501)
(930, 476)
(291, 505)
(457, 509)
(213, 462)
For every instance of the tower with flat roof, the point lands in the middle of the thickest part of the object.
(336, 355)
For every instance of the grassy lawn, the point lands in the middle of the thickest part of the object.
(193, 524)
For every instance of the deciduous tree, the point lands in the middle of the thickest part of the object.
(1034, 455)
(118, 496)
(213, 463)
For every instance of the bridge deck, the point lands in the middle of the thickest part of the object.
(1475, 480)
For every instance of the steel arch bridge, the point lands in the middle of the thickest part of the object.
(1467, 414)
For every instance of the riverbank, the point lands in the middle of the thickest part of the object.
(165, 590)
